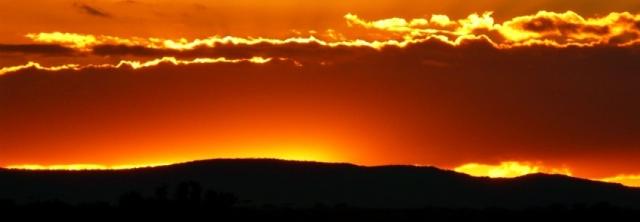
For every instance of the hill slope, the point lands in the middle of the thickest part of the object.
(264, 181)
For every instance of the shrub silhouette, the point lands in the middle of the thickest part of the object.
(134, 203)
(219, 200)
(161, 194)
(131, 199)
(187, 195)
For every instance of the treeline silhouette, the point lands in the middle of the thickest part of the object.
(187, 195)
(190, 200)
(303, 191)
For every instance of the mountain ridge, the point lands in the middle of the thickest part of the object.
(306, 183)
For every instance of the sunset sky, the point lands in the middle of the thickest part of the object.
(496, 88)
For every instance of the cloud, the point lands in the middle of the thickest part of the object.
(44, 49)
(571, 28)
(81, 42)
(547, 29)
(89, 10)
(130, 64)
(543, 28)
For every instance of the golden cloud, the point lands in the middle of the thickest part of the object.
(543, 28)
(548, 29)
(132, 64)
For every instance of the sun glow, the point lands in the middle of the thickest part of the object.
(508, 169)
(77, 167)
(511, 169)
(291, 153)
(628, 180)
(284, 152)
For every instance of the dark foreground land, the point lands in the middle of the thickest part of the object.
(306, 191)
(148, 210)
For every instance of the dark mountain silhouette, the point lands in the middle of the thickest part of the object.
(260, 182)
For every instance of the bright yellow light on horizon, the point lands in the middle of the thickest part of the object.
(511, 169)
(627, 180)
(292, 153)
(74, 167)
(286, 154)
(80, 167)
(508, 169)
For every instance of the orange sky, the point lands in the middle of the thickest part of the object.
(536, 86)
(202, 18)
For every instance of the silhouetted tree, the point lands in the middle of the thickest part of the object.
(161, 193)
(188, 194)
(131, 199)
(195, 192)
(182, 192)
(219, 200)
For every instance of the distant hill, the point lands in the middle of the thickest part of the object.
(301, 184)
